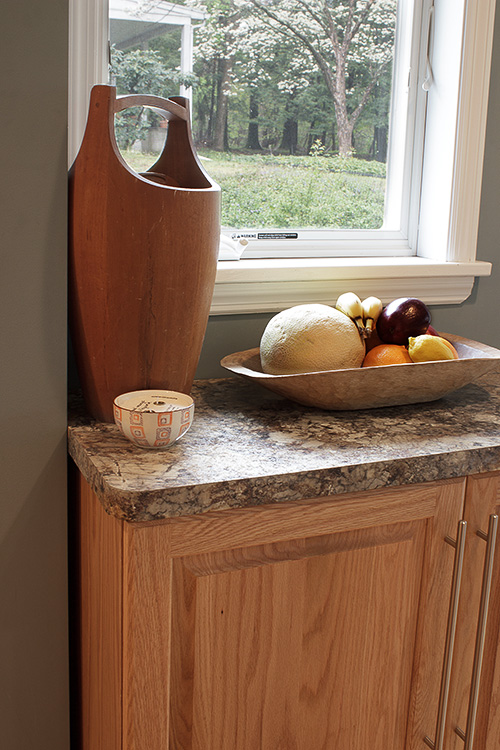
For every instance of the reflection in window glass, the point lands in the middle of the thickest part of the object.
(290, 101)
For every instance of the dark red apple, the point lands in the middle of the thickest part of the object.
(401, 318)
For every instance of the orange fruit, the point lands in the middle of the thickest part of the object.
(387, 354)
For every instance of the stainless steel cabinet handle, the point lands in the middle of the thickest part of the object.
(491, 539)
(459, 545)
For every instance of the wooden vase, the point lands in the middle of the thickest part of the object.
(143, 257)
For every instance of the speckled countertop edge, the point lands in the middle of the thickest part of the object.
(249, 447)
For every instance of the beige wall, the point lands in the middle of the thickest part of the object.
(33, 608)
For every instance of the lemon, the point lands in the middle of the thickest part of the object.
(310, 338)
(427, 348)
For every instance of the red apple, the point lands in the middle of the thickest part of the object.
(403, 317)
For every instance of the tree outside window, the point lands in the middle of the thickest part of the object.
(291, 102)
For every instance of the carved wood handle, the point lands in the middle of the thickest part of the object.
(171, 110)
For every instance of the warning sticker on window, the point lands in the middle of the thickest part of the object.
(277, 235)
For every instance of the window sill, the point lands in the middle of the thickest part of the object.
(255, 286)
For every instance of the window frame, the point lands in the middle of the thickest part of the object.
(393, 237)
(438, 271)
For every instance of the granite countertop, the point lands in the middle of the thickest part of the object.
(248, 447)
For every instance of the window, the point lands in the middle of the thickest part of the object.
(425, 245)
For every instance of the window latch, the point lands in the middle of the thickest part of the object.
(429, 78)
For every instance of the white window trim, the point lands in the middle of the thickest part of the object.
(252, 286)
(88, 63)
(441, 273)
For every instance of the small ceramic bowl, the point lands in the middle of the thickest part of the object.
(153, 418)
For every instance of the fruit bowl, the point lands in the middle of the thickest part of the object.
(372, 387)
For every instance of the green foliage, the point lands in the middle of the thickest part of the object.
(286, 191)
(243, 54)
(261, 69)
(288, 52)
(317, 148)
(300, 191)
(140, 72)
(325, 164)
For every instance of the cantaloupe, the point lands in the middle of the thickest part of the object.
(310, 338)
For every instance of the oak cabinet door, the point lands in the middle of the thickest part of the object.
(311, 626)
(474, 712)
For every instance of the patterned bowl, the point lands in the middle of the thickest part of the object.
(153, 418)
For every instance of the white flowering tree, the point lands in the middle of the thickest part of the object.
(240, 60)
(277, 63)
(216, 50)
(349, 41)
(274, 75)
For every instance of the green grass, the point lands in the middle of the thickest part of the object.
(292, 191)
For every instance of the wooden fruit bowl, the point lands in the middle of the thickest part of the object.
(371, 387)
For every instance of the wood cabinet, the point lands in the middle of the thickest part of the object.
(474, 701)
(319, 625)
